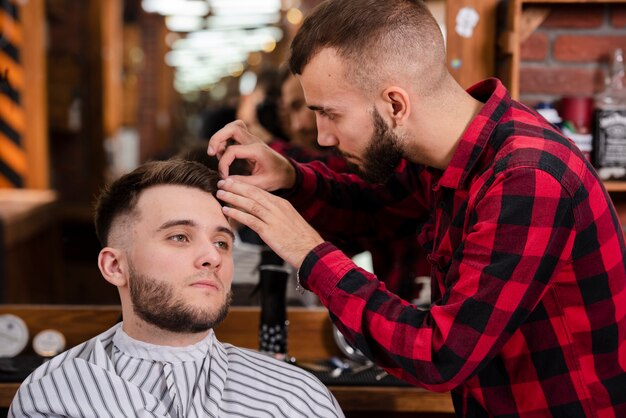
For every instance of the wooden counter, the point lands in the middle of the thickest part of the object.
(310, 338)
(23, 212)
(30, 246)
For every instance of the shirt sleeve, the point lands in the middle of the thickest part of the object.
(517, 237)
(340, 205)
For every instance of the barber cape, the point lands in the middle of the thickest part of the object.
(113, 375)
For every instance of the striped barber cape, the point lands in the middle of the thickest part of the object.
(112, 375)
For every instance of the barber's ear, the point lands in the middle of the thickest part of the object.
(112, 264)
(398, 104)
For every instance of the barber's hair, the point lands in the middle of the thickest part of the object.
(378, 39)
(120, 198)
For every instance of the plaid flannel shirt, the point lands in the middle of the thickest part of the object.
(396, 263)
(528, 275)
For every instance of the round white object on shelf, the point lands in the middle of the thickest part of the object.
(13, 335)
(48, 343)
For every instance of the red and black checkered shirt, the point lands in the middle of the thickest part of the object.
(529, 281)
(396, 262)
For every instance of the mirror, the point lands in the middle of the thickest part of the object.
(105, 99)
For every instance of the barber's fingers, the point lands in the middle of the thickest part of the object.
(234, 152)
(247, 205)
(275, 220)
(236, 131)
(264, 206)
(269, 169)
(244, 218)
(246, 197)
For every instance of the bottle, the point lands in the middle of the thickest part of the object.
(609, 146)
(273, 323)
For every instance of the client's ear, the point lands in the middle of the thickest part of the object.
(112, 264)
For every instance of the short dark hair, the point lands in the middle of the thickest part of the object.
(198, 152)
(121, 196)
(369, 33)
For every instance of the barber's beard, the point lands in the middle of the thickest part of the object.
(154, 302)
(382, 154)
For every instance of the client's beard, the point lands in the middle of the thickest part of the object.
(153, 301)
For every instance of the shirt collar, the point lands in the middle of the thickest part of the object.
(147, 351)
(474, 140)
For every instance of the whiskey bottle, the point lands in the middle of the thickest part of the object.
(610, 123)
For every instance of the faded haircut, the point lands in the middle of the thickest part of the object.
(380, 40)
(120, 198)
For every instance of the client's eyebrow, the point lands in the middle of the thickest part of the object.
(227, 231)
(176, 222)
(188, 222)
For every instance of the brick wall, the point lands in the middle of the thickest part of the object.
(568, 53)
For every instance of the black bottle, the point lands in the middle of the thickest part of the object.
(273, 277)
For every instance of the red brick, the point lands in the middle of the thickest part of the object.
(585, 48)
(574, 16)
(560, 81)
(535, 48)
(618, 15)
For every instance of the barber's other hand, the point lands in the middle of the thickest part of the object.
(277, 222)
(270, 170)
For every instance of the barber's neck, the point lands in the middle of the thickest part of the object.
(438, 123)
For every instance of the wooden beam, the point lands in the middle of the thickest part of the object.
(35, 101)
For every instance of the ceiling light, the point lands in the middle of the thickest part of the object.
(294, 16)
(229, 7)
(176, 7)
(246, 21)
(184, 23)
(247, 83)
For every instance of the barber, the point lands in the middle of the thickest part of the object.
(527, 251)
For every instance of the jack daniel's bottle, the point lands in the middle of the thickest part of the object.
(274, 274)
(610, 124)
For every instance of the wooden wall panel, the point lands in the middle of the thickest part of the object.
(471, 54)
(35, 95)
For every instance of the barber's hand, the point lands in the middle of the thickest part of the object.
(270, 170)
(277, 222)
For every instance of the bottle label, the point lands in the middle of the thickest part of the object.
(610, 138)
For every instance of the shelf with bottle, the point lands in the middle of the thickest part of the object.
(523, 18)
(574, 119)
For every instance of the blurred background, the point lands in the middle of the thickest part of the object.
(93, 88)
(89, 89)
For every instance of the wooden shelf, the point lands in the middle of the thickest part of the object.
(615, 186)
(351, 398)
(392, 399)
(572, 1)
